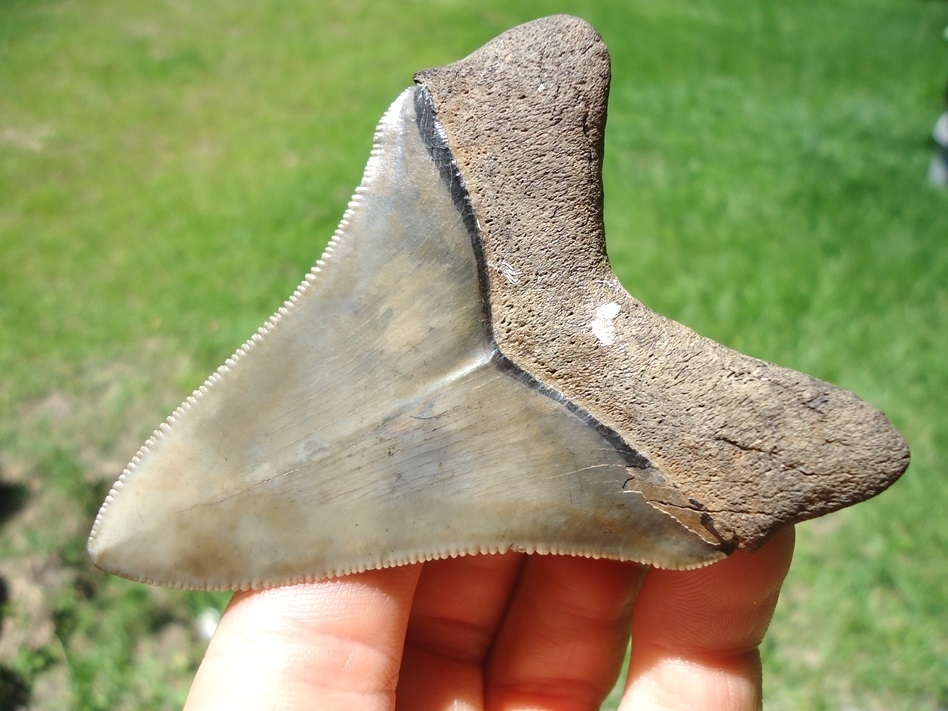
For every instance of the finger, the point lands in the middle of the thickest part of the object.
(333, 644)
(564, 636)
(695, 633)
(458, 606)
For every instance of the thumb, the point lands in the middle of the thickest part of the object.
(333, 644)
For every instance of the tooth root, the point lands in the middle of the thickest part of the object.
(741, 437)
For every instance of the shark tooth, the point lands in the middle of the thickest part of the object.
(462, 372)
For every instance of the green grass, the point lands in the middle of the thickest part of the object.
(168, 172)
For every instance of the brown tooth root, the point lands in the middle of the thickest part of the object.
(462, 372)
(756, 444)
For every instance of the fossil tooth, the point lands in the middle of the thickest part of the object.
(462, 372)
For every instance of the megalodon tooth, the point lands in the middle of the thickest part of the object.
(462, 372)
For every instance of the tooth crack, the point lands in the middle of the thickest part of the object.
(769, 453)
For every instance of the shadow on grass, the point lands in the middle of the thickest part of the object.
(13, 689)
(12, 499)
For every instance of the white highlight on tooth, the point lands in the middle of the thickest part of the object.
(511, 274)
(602, 324)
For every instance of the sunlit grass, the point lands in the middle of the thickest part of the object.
(169, 171)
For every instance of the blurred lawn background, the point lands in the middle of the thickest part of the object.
(170, 170)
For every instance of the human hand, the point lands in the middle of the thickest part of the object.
(500, 632)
